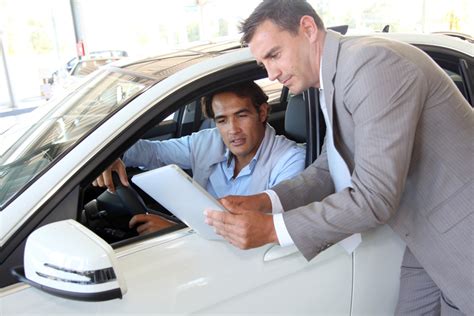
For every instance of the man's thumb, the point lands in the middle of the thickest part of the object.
(231, 207)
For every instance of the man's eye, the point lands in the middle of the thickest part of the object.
(220, 121)
(243, 114)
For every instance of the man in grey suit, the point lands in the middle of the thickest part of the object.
(398, 150)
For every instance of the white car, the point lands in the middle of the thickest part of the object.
(45, 191)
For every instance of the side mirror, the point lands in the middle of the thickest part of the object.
(66, 259)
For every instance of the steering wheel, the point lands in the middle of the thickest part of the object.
(130, 199)
(109, 214)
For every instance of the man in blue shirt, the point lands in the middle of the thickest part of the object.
(241, 156)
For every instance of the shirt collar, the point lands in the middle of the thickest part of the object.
(321, 88)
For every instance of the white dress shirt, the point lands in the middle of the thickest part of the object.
(337, 167)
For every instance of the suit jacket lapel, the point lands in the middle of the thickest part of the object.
(329, 66)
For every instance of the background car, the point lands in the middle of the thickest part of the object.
(75, 69)
(101, 54)
(85, 66)
(94, 54)
(46, 177)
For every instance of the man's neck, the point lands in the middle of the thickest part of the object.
(240, 164)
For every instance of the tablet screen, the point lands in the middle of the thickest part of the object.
(181, 195)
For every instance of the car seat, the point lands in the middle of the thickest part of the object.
(295, 119)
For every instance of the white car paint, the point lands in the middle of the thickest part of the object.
(184, 276)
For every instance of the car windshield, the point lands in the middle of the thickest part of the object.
(26, 152)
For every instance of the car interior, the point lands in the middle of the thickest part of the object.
(108, 214)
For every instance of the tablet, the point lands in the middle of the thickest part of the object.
(181, 195)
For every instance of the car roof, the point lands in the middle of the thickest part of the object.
(439, 40)
(162, 66)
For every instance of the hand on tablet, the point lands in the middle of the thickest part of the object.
(149, 223)
(243, 227)
(105, 179)
(258, 202)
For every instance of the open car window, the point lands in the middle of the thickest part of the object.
(106, 214)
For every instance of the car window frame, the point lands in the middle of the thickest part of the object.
(450, 59)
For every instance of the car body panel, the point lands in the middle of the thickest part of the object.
(377, 272)
(196, 275)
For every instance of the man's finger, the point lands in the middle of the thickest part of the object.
(233, 235)
(212, 215)
(100, 181)
(143, 228)
(119, 167)
(219, 218)
(109, 182)
(136, 219)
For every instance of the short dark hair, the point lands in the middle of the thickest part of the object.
(284, 13)
(246, 89)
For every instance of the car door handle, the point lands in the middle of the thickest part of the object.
(277, 252)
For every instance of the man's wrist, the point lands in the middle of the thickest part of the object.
(264, 203)
(272, 234)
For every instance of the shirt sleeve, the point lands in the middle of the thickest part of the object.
(290, 165)
(284, 238)
(154, 154)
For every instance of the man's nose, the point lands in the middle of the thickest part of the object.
(273, 72)
(234, 126)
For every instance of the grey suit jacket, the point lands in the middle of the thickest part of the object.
(406, 133)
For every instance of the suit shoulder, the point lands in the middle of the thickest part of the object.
(369, 48)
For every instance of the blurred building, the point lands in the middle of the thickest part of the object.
(39, 37)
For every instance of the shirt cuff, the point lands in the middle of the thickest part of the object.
(284, 238)
(275, 200)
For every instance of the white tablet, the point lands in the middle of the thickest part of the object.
(181, 195)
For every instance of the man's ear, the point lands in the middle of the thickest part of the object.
(263, 112)
(308, 27)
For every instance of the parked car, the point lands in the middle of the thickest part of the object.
(85, 66)
(46, 176)
(82, 68)
(94, 54)
(99, 54)
(77, 68)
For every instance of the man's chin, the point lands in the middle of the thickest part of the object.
(294, 89)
